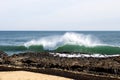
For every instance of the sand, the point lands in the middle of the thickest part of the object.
(24, 75)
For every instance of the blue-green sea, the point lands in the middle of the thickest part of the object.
(89, 42)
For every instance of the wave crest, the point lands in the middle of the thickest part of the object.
(53, 42)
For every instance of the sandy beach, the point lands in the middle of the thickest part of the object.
(24, 75)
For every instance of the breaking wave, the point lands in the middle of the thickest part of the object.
(68, 42)
(69, 38)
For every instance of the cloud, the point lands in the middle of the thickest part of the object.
(60, 14)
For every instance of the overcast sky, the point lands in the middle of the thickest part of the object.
(59, 14)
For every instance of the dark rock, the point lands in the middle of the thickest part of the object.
(3, 57)
(3, 54)
(100, 66)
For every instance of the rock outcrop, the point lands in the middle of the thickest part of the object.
(97, 66)
(3, 57)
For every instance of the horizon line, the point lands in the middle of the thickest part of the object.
(59, 30)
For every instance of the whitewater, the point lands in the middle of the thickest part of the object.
(69, 38)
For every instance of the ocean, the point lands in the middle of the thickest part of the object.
(85, 42)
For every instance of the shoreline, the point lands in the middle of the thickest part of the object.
(74, 68)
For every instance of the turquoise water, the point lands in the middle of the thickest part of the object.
(93, 42)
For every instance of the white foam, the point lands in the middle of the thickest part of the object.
(83, 55)
(53, 42)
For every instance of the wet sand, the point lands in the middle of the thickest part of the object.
(24, 75)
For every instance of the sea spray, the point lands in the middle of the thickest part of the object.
(53, 42)
(73, 42)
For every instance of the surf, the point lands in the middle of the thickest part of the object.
(53, 42)
(73, 42)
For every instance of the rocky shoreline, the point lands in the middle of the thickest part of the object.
(83, 68)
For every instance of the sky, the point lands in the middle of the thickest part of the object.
(59, 14)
